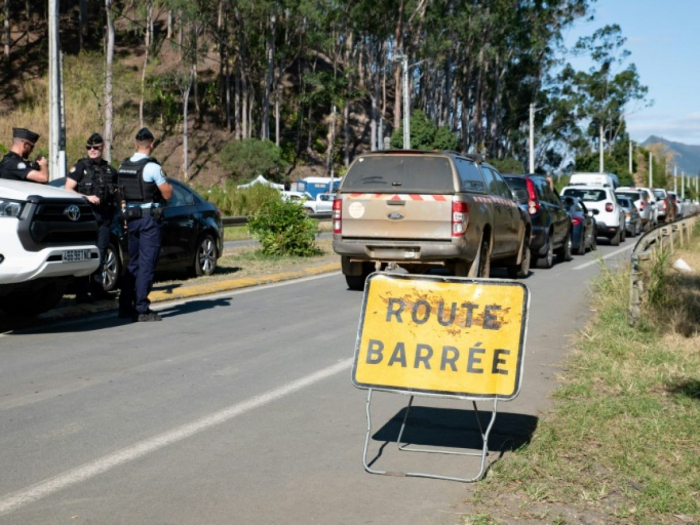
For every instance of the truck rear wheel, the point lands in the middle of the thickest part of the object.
(481, 267)
(357, 282)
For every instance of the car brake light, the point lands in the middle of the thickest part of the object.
(575, 221)
(608, 206)
(338, 215)
(664, 205)
(533, 205)
(641, 206)
(460, 218)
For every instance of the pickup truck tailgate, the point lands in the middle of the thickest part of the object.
(397, 216)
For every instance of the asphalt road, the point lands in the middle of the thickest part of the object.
(238, 408)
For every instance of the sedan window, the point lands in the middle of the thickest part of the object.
(179, 196)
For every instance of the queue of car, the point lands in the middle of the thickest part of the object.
(441, 211)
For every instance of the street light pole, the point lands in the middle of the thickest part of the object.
(651, 169)
(675, 179)
(682, 184)
(406, 103)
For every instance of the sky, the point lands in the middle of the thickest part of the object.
(664, 39)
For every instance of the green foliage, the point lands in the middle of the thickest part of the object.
(234, 202)
(3, 149)
(425, 135)
(248, 158)
(508, 165)
(284, 229)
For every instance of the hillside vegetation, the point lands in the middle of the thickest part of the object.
(319, 82)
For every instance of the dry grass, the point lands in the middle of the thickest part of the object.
(622, 444)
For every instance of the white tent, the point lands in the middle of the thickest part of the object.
(261, 180)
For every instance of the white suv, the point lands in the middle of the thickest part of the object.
(48, 237)
(609, 215)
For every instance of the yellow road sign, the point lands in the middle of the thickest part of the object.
(442, 336)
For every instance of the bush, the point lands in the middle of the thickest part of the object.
(233, 201)
(248, 158)
(284, 229)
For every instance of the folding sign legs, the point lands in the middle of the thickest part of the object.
(405, 447)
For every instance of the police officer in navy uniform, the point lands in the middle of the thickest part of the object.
(16, 165)
(96, 180)
(145, 190)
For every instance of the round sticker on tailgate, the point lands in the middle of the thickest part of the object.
(356, 210)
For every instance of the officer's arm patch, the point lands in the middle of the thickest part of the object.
(72, 169)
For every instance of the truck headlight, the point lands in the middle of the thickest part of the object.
(10, 208)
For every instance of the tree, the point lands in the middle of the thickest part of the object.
(246, 159)
(425, 135)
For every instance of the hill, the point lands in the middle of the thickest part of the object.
(686, 156)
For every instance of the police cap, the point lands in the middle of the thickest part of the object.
(25, 134)
(95, 140)
(144, 134)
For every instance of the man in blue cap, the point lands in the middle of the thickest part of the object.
(16, 165)
(145, 189)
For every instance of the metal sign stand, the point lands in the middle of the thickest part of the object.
(405, 447)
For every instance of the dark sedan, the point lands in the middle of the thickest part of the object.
(583, 225)
(192, 236)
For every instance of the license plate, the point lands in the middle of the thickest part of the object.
(76, 255)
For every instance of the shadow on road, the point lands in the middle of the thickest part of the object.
(455, 428)
(104, 320)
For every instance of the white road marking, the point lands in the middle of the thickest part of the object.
(14, 501)
(596, 261)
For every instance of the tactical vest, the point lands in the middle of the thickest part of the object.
(136, 190)
(95, 180)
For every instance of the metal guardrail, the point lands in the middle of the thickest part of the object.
(663, 237)
(242, 220)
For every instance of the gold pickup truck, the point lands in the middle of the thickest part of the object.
(421, 210)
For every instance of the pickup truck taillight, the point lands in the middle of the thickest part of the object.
(664, 205)
(533, 205)
(460, 218)
(338, 215)
(608, 207)
(641, 206)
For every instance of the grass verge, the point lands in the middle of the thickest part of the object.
(622, 444)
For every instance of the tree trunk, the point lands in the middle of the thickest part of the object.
(398, 48)
(7, 29)
(185, 126)
(170, 24)
(374, 97)
(346, 134)
(277, 116)
(331, 142)
(109, 108)
(265, 128)
(237, 102)
(147, 42)
(82, 31)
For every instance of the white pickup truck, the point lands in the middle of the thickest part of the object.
(322, 204)
(48, 236)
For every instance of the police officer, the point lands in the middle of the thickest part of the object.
(145, 189)
(96, 180)
(16, 166)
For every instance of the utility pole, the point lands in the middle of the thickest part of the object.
(406, 103)
(630, 158)
(682, 184)
(651, 169)
(532, 138)
(602, 163)
(675, 179)
(56, 170)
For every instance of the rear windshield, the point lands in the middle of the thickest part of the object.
(586, 195)
(633, 196)
(659, 194)
(400, 173)
(624, 201)
(519, 188)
